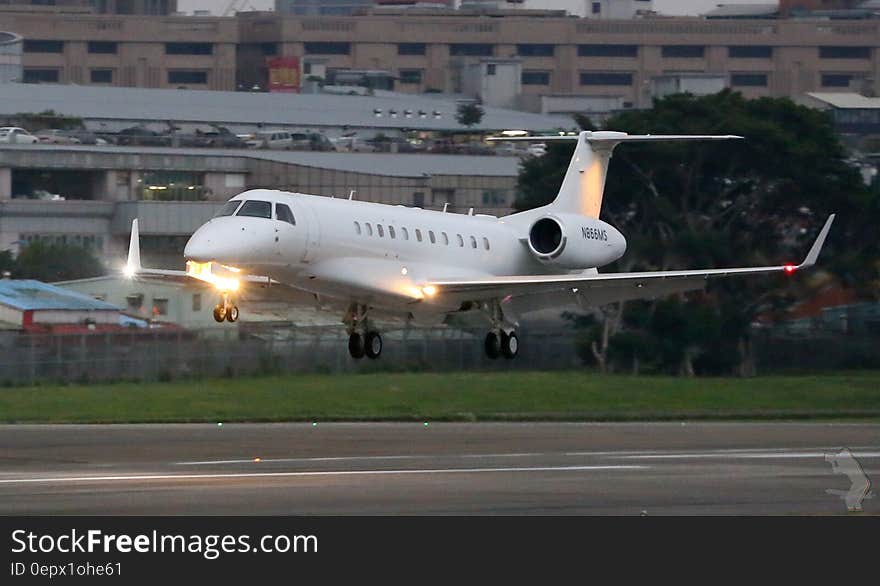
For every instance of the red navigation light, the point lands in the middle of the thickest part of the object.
(789, 269)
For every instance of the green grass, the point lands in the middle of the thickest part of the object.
(574, 395)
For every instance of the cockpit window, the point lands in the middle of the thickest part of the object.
(256, 209)
(283, 213)
(228, 208)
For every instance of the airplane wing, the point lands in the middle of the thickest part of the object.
(600, 288)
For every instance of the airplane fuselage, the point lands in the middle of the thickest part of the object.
(344, 248)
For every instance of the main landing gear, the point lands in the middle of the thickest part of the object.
(501, 339)
(362, 341)
(226, 309)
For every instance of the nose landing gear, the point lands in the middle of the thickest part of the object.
(226, 309)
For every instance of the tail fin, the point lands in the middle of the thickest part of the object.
(584, 183)
(133, 264)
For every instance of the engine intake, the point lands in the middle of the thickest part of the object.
(546, 238)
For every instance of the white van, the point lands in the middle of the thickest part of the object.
(271, 139)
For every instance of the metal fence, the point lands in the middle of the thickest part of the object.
(179, 354)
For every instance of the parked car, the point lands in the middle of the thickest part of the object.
(138, 135)
(86, 137)
(14, 134)
(56, 136)
(222, 138)
(271, 139)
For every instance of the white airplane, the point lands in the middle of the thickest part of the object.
(369, 259)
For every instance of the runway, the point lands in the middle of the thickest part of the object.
(436, 469)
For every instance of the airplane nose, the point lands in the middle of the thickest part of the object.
(199, 247)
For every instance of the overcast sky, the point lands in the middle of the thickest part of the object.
(577, 6)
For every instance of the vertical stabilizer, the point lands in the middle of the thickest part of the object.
(584, 183)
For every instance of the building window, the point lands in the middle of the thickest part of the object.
(40, 46)
(535, 78)
(472, 49)
(197, 302)
(187, 76)
(40, 75)
(494, 197)
(593, 78)
(269, 49)
(327, 48)
(101, 76)
(134, 301)
(842, 52)
(608, 51)
(411, 76)
(160, 306)
(357, 228)
(103, 47)
(418, 199)
(750, 52)
(596, 8)
(836, 79)
(189, 49)
(175, 186)
(748, 79)
(490, 69)
(683, 51)
(411, 48)
(536, 50)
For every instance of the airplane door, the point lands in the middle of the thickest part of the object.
(289, 234)
(311, 231)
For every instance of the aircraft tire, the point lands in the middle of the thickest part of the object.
(356, 345)
(232, 314)
(509, 345)
(373, 345)
(219, 314)
(492, 345)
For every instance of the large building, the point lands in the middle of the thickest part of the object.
(425, 50)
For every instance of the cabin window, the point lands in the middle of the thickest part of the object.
(283, 213)
(418, 235)
(228, 208)
(432, 237)
(473, 242)
(380, 230)
(391, 232)
(357, 228)
(369, 229)
(256, 209)
(460, 240)
(405, 233)
(445, 238)
(485, 243)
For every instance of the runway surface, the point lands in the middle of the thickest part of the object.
(442, 468)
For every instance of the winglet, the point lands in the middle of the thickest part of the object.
(817, 245)
(133, 264)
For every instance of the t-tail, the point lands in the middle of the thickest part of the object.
(584, 183)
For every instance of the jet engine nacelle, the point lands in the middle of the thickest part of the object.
(572, 241)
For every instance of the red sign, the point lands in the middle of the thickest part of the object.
(283, 74)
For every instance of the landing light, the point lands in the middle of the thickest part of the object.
(789, 269)
(429, 290)
(129, 271)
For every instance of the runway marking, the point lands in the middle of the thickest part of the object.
(124, 478)
(356, 458)
(763, 455)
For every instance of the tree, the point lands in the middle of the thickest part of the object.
(469, 114)
(55, 262)
(729, 203)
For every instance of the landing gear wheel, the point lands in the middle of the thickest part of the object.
(492, 345)
(219, 313)
(232, 314)
(373, 345)
(509, 344)
(356, 345)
